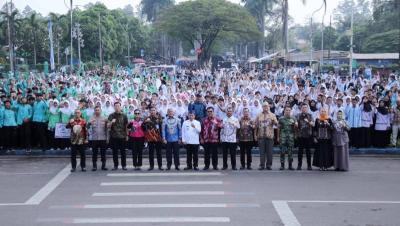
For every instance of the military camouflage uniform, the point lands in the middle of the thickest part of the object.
(286, 134)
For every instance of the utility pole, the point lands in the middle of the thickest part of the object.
(71, 50)
(351, 42)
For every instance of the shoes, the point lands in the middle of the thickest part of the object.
(290, 166)
(298, 167)
(206, 168)
(124, 168)
(73, 170)
(187, 168)
(282, 166)
(242, 168)
(269, 168)
(249, 168)
(94, 169)
(196, 169)
(150, 169)
(168, 168)
(104, 168)
(224, 168)
(234, 168)
(215, 168)
(115, 168)
(160, 168)
(83, 170)
(309, 168)
(177, 168)
(261, 168)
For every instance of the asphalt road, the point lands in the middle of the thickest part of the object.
(41, 191)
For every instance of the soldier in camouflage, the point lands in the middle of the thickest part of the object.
(287, 125)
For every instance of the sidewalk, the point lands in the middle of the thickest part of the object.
(255, 151)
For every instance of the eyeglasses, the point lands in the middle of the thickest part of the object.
(137, 113)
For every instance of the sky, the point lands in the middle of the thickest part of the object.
(300, 13)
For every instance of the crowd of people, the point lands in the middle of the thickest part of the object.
(136, 109)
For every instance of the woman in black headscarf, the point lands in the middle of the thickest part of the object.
(382, 125)
(367, 115)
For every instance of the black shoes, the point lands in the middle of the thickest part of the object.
(196, 169)
(261, 168)
(83, 169)
(206, 168)
(150, 169)
(124, 168)
(187, 168)
(282, 166)
(94, 169)
(73, 170)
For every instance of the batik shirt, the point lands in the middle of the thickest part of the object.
(210, 130)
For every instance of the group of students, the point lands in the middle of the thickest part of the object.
(212, 133)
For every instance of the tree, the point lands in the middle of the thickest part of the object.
(259, 9)
(383, 42)
(204, 21)
(58, 31)
(34, 25)
(152, 8)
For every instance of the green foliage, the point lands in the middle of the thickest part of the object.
(383, 42)
(205, 21)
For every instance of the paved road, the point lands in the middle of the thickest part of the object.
(41, 191)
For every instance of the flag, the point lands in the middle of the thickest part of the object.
(50, 28)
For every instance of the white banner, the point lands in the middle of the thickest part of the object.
(62, 131)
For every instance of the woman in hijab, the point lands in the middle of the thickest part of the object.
(367, 115)
(382, 125)
(340, 142)
(313, 109)
(54, 118)
(323, 156)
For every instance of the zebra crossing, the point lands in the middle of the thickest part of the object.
(165, 197)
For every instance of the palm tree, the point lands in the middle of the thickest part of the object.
(259, 9)
(285, 18)
(56, 19)
(34, 26)
(10, 15)
(152, 8)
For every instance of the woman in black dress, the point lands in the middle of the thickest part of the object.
(323, 155)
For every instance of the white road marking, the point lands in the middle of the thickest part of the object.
(145, 183)
(163, 174)
(170, 193)
(32, 173)
(350, 202)
(151, 220)
(49, 187)
(14, 204)
(156, 205)
(286, 215)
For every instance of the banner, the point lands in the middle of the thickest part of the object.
(62, 131)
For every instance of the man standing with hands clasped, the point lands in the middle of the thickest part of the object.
(117, 122)
(287, 125)
(230, 125)
(172, 136)
(191, 129)
(264, 134)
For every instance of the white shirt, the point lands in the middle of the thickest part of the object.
(191, 135)
(228, 132)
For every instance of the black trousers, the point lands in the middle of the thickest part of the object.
(354, 137)
(40, 134)
(172, 150)
(51, 141)
(10, 136)
(75, 149)
(211, 151)
(155, 146)
(231, 149)
(304, 145)
(24, 134)
(96, 146)
(245, 153)
(118, 144)
(192, 155)
(365, 137)
(136, 144)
